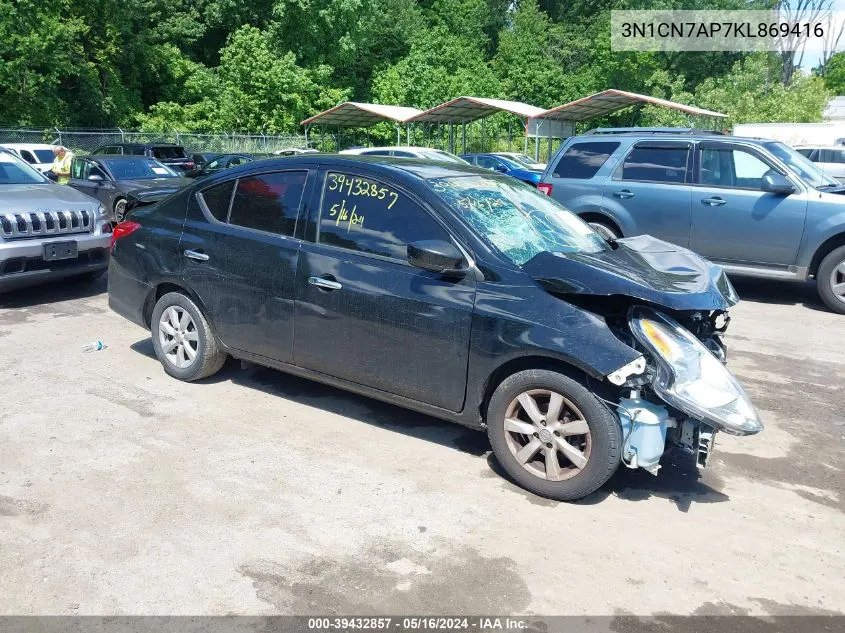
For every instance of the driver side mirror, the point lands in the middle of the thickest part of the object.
(95, 178)
(438, 256)
(777, 184)
(500, 168)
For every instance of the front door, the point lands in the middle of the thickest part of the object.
(80, 170)
(651, 190)
(363, 313)
(733, 219)
(240, 256)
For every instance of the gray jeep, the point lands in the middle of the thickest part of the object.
(47, 231)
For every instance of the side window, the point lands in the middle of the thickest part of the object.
(134, 151)
(217, 199)
(583, 160)
(724, 167)
(832, 156)
(268, 202)
(76, 168)
(92, 169)
(402, 154)
(488, 162)
(656, 163)
(28, 157)
(805, 151)
(378, 152)
(365, 215)
(215, 164)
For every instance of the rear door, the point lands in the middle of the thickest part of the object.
(733, 219)
(363, 313)
(240, 250)
(651, 191)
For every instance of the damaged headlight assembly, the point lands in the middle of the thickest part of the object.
(690, 378)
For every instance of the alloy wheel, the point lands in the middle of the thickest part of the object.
(547, 435)
(178, 337)
(119, 210)
(837, 281)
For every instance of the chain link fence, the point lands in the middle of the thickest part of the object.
(86, 141)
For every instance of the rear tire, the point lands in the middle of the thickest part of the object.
(183, 340)
(564, 446)
(830, 280)
(119, 210)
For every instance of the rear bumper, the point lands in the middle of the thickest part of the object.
(22, 261)
(127, 295)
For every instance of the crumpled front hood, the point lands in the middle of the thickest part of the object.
(641, 267)
(168, 185)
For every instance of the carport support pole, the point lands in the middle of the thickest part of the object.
(525, 138)
(550, 142)
(398, 135)
(483, 139)
(464, 137)
(451, 137)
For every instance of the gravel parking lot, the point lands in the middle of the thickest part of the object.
(125, 491)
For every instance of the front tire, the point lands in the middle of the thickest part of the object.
(552, 435)
(830, 280)
(183, 340)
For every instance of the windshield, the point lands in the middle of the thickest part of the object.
(514, 219)
(168, 152)
(445, 157)
(800, 165)
(43, 155)
(14, 171)
(138, 169)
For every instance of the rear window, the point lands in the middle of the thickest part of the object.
(269, 202)
(583, 160)
(831, 156)
(43, 155)
(217, 199)
(169, 152)
(655, 163)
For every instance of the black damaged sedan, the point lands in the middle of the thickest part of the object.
(445, 289)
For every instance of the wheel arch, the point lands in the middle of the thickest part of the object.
(603, 218)
(829, 245)
(161, 289)
(550, 363)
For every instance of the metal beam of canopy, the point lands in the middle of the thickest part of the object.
(610, 101)
(353, 114)
(463, 110)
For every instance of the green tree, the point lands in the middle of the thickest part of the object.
(834, 74)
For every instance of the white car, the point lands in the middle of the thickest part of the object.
(829, 158)
(426, 153)
(295, 151)
(39, 155)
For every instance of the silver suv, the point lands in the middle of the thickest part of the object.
(47, 231)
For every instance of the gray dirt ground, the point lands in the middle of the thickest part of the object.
(125, 491)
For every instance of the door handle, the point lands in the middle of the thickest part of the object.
(325, 284)
(715, 201)
(196, 255)
(623, 194)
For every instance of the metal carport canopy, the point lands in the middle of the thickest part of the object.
(468, 109)
(354, 114)
(609, 101)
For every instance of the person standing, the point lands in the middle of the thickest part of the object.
(61, 164)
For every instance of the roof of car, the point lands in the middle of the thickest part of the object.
(413, 167)
(811, 146)
(669, 136)
(117, 157)
(28, 145)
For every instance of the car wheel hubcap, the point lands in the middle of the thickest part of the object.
(547, 435)
(837, 281)
(178, 337)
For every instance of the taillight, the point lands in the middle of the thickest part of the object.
(545, 188)
(127, 227)
(189, 165)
